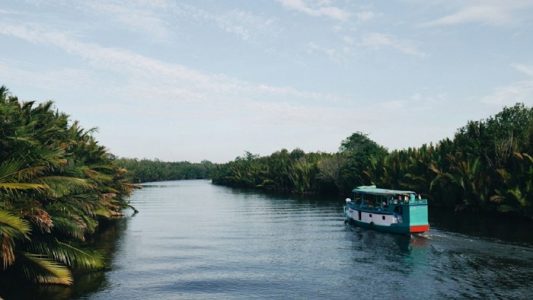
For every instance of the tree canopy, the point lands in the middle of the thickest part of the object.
(488, 166)
(56, 185)
(145, 170)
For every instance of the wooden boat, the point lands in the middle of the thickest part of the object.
(395, 211)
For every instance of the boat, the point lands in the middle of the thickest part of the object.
(403, 212)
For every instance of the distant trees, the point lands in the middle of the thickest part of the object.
(285, 171)
(56, 185)
(488, 165)
(145, 170)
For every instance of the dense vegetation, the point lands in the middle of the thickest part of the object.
(488, 165)
(145, 170)
(56, 185)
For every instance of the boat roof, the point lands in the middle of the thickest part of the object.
(373, 190)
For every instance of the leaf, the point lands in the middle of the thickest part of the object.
(69, 227)
(496, 198)
(505, 208)
(45, 270)
(11, 228)
(503, 174)
(64, 185)
(68, 254)
(16, 170)
(20, 225)
(15, 186)
(434, 168)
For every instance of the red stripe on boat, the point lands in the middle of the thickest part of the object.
(419, 228)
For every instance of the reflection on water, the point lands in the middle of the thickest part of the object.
(105, 241)
(194, 240)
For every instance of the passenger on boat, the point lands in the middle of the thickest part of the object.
(398, 211)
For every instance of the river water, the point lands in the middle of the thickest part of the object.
(195, 240)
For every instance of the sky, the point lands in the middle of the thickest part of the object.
(194, 80)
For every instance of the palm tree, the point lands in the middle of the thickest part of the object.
(56, 183)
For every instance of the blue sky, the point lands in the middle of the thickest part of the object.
(193, 80)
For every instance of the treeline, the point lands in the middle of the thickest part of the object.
(56, 186)
(145, 170)
(487, 165)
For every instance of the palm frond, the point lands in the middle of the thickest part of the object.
(7, 251)
(19, 170)
(60, 186)
(45, 270)
(20, 225)
(68, 254)
(18, 186)
(70, 227)
(11, 228)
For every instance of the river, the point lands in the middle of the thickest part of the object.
(195, 240)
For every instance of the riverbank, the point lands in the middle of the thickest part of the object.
(468, 216)
(146, 170)
(487, 166)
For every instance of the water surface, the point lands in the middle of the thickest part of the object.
(195, 240)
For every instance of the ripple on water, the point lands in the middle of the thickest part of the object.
(194, 240)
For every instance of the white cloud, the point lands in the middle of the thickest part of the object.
(525, 69)
(379, 40)
(151, 91)
(520, 91)
(135, 18)
(158, 18)
(173, 81)
(365, 15)
(348, 40)
(492, 12)
(8, 12)
(336, 55)
(49, 79)
(317, 9)
(243, 24)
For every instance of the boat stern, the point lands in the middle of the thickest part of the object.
(418, 228)
(418, 218)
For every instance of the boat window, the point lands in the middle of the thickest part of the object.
(398, 209)
(373, 201)
(385, 202)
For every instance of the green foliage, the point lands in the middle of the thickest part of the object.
(145, 170)
(360, 153)
(56, 183)
(283, 171)
(488, 165)
(44, 270)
